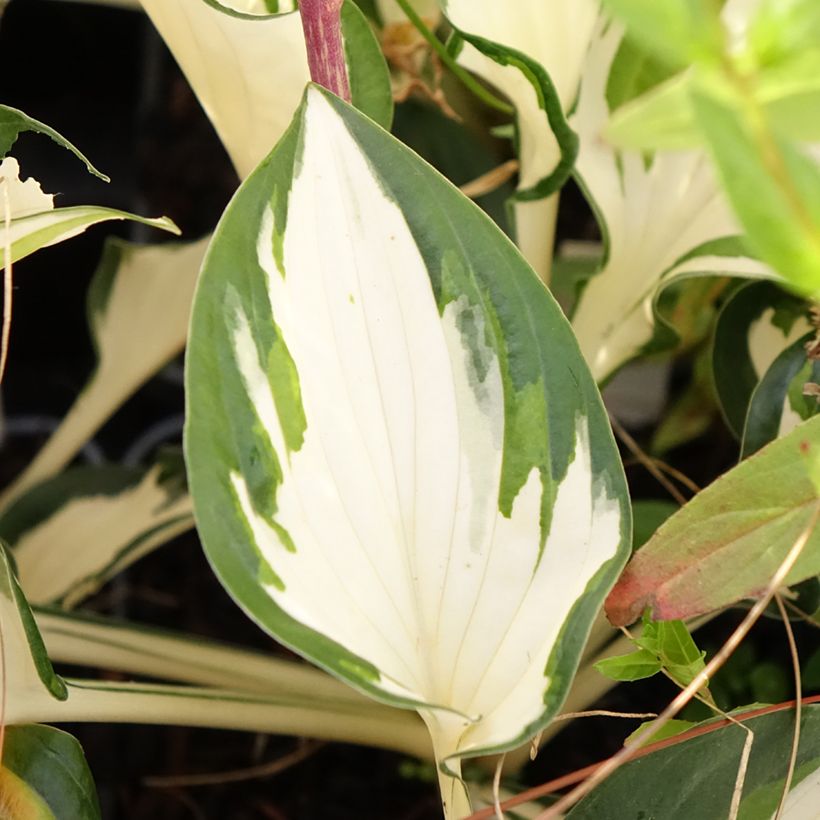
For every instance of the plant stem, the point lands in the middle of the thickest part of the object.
(321, 20)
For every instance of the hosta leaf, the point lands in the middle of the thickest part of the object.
(97, 642)
(34, 693)
(400, 465)
(756, 324)
(35, 223)
(534, 53)
(704, 769)
(51, 764)
(138, 306)
(73, 533)
(14, 122)
(249, 71)
(728, 542)
(661, 219)
(778, 405)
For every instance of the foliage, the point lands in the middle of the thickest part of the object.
(396, 454)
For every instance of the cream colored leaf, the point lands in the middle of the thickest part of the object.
(70, 554)
(139, 316)
(656, 215)
(249, 75)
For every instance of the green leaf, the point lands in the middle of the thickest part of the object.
(534, 53)
(52, 764)
(104, 518)
(634, 72)
(634, 666)
(677, 32)
(778, 405)
(35, 223)
(756, 324)
(660, 120)
(370, 87)
(249, 70)
(671, 729)
(14, 122)
(647, 516)
(366, 338)
(138, 292)
(726, 544)
(692, 233)
(670, 643)
(779, 207)
(704, 771)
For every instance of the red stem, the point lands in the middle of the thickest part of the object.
(581, 774)
(322, 23)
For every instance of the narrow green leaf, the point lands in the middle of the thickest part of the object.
(634, 666)
(677, 32)
(370, 87)
(774, 188)
(14, 122)
(726, 544)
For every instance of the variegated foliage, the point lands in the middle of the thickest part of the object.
(663, 219)
(400, 464)
(29, 221)
(249, 69)
(533, 51)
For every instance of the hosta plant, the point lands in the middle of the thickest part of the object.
(396, 454)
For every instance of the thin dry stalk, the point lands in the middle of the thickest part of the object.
(492, 180)
(673, 472)
(7, 280)
(798, 707)
(646, 461)
(499, 769)
(630, 748)
(606, 713)
(264, 770)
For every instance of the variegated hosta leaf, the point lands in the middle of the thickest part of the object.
(778, 404)
(35, 223)
(72, 534)
(34, 693)
(249, 74)
(662, 220)
(400, 464)
(533, 51)
(757, 323)
(138, 305)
